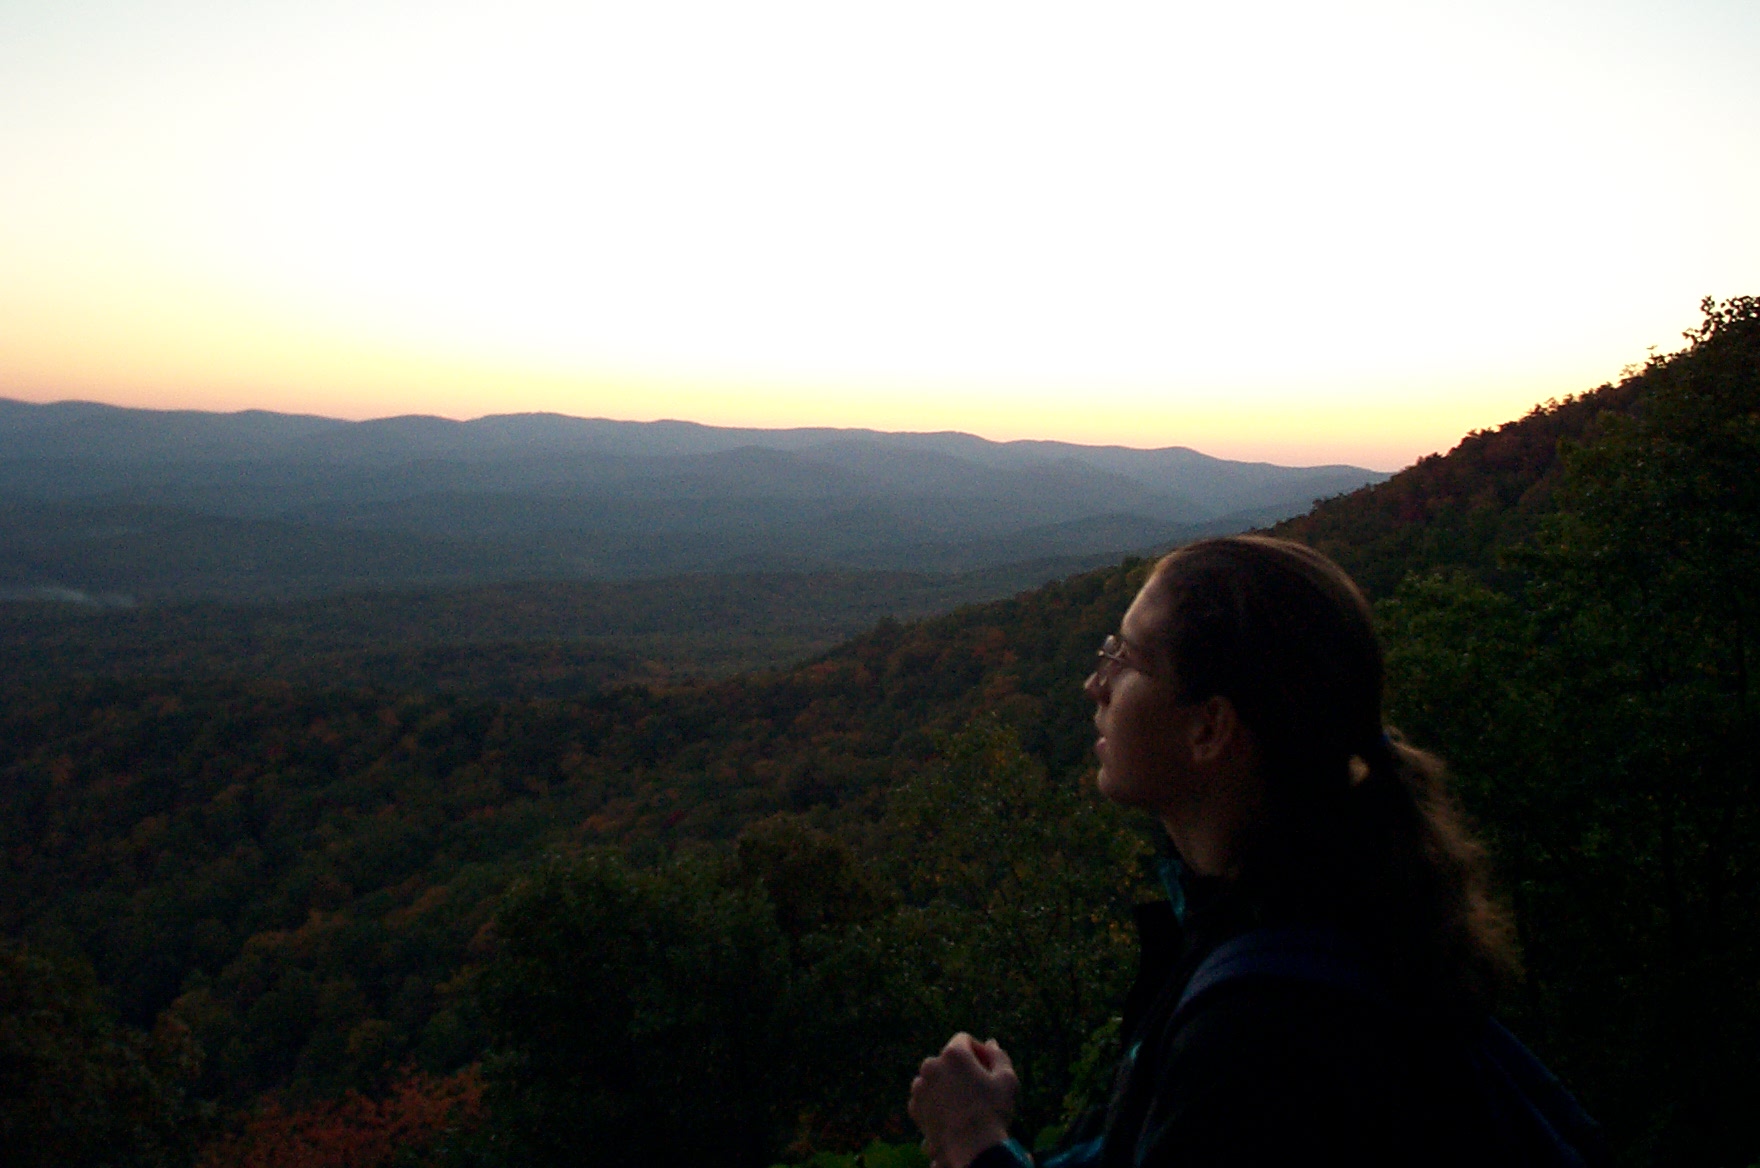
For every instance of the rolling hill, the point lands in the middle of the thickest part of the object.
(152, 504)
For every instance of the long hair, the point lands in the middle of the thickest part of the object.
(1359, 829)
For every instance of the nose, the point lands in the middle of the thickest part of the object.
(1095, 687)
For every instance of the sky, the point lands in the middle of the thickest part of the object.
(1300, 232)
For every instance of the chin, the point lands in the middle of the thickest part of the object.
(1110, 789)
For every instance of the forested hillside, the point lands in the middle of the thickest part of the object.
(532, 639)
(301, 877)
(1458, 510)
(720, 921)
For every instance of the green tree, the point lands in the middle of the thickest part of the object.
(76, 1088)
(1651, 574)
(1017, 889)
(1603, 724)
(635, 1017)
(813, 880)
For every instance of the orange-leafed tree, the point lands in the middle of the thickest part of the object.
(410, 1126)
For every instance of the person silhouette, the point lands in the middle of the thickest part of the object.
(1317, 986)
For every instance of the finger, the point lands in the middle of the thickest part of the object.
(961, 1040)
(960, 1058)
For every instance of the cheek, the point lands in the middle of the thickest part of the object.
(1135, 763)
(1127, 759)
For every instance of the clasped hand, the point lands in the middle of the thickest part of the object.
(963, 1099)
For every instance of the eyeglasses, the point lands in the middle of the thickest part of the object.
(1114, 655)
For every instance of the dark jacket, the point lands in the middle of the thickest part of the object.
(1267, 1071)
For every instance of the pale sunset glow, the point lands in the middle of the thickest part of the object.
(1305, 233)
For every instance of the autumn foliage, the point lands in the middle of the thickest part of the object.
(410, 1126)
(662, 916)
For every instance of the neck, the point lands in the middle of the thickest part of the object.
(1209, 835)
(1203, 852)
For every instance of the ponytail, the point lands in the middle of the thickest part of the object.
(1466, 949)
(1361, 829)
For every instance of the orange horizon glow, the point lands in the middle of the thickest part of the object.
(1328, 435)
(1348, 235)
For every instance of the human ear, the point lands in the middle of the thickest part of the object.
(1215, 729)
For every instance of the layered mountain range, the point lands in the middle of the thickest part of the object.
(102, 501)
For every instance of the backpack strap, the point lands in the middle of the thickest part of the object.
(1534, 1102)
(1541, 1120)
(1306, 953)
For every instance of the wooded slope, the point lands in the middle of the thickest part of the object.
(311, 883)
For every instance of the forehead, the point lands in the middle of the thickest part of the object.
(1145, 622)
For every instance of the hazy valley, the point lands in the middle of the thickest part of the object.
(424, 553)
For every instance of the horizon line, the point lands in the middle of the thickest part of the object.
(675, 421)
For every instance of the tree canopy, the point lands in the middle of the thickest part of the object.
(723, 919)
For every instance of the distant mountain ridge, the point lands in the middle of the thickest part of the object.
(87, 488)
